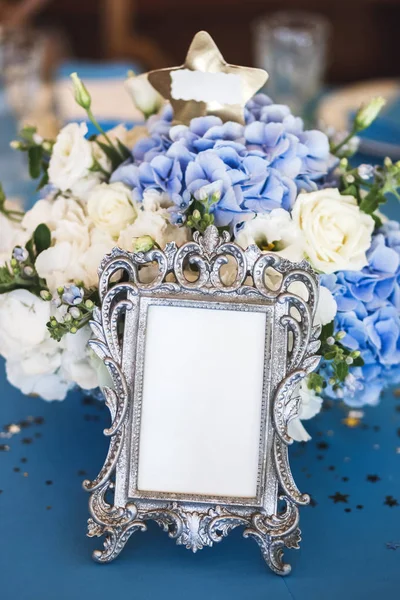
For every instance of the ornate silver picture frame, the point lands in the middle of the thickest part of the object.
(192, 276)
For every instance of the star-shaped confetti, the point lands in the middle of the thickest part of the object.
(338, 497)
(390, 501)
(204, 57)
(392, 545)
(373, 478)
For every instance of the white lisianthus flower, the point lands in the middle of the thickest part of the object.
(77, 363)
(310, 405)
(273, 231)
(144, 96)
(23, 318)
(49, 386)
(32, 358)
(71, 160)
(326, 307)
(110, 207)
(337, 233)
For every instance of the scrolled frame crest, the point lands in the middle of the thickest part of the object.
(194, 274)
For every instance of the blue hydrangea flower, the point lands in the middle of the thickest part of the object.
(264, 163)
(208, 175)
(370, 288)
(72, 295)
(369, 314)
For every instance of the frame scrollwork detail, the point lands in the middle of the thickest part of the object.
(197, 272)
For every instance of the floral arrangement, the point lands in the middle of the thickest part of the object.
(268, 182)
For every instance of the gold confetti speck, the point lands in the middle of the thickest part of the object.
(13, 428)
(351, 422)
(25, 474)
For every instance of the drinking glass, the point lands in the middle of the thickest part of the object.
(292, 46)
(21, 63)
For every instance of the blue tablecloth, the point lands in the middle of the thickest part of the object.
(350, 548)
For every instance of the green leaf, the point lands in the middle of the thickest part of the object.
(378, 221)
(35, 161)
(358, 362)
(42, 238)
(330, 355)
(2, 196)
(125, 153)
(327, 330)
(341, 370)
(43, 181)
(371, 201)
(31, 249)
(111, 153)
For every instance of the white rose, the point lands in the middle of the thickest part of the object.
(310, 405)
(156, 224)
(144, 96)
(101, 243)
(273, 231)
(70, 234)
(110, 207)
(71, 157)
(337, 234)
(153, 200)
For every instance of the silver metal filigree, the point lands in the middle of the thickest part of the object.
(210, 271)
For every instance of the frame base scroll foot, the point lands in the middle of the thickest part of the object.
(272, 548)
(115, 539)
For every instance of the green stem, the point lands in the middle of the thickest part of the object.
(101, 130)
(345, 141)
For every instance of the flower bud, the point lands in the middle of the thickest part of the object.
(82, 96)
(16, 145)
(74, 312)
(387, 162)
(45, 295)
(89, 304)
(368, 113)
(196, 215)
(340, 335)
(144, 96)
(143, 243)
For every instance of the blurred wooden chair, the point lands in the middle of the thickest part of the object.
(120, 39)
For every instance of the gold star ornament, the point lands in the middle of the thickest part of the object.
(207, 85)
